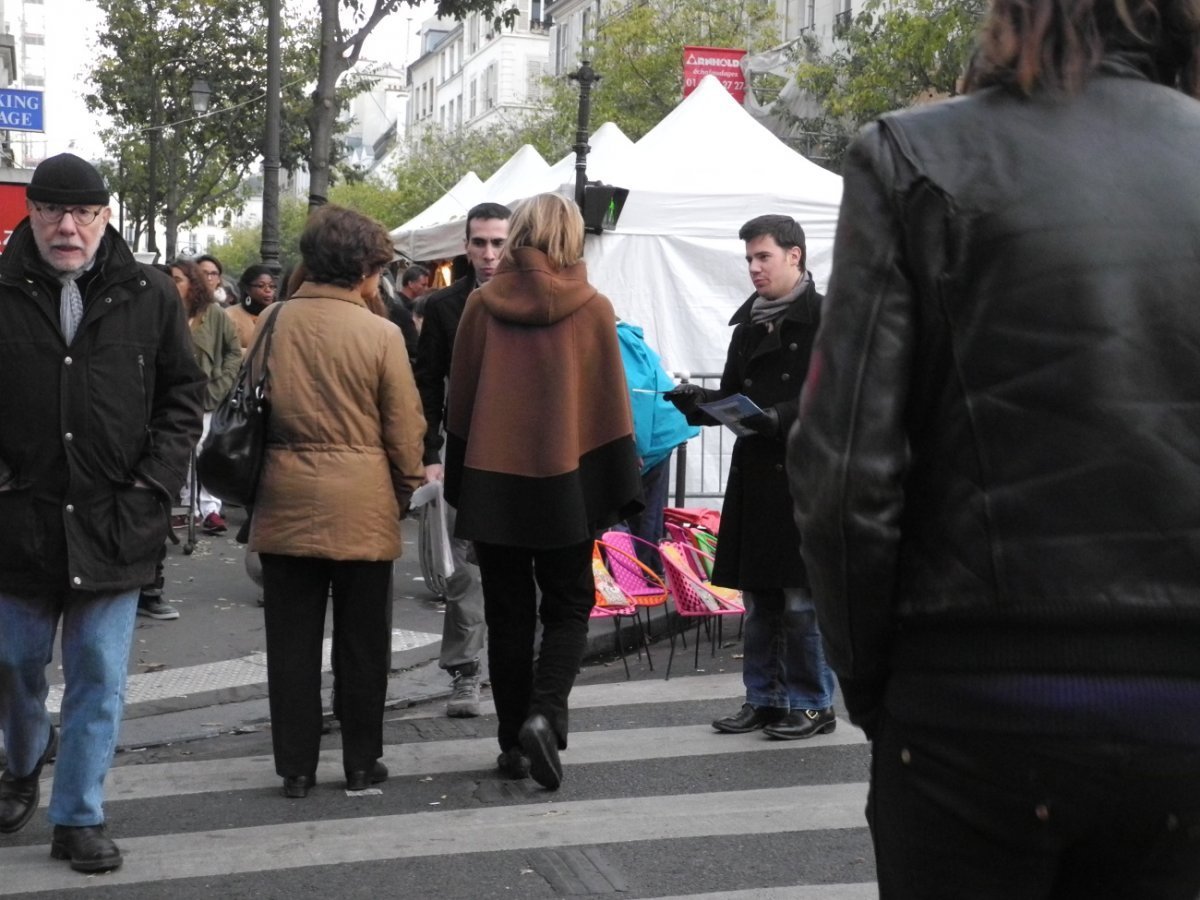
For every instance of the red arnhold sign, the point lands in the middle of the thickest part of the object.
(12, 209)
(723, 62)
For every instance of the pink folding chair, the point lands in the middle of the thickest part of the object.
(612, 600)
(696, 597)
(642, 585)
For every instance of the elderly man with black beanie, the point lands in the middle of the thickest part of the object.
(100, 400)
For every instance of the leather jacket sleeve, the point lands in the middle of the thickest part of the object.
(848, 455)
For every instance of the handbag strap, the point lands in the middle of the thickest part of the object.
(263, 341)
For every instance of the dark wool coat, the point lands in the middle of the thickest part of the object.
(759, 546)
(80, 423)
(435, 347)
(539, 437)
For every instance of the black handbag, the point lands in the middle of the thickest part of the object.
(230, 458)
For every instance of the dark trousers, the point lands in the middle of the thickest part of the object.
(1017, 817)
(295, 593)
(648, 524)
(510, 578)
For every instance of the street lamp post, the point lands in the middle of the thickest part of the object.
(200, 94)
(269, 249)
(586, 76)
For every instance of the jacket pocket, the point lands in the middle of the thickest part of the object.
(137, 522)
(20, 531)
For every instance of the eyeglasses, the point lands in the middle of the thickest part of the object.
(52, 213)
(210, 273)
(263, 285)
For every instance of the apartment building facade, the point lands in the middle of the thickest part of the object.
(473, 75)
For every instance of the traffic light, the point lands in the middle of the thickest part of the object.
(602, 205)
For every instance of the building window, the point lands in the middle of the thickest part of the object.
(34, 81)
(474, 110)
(535, 71)
(811, 18)
(473, 34)
(35, 39)
(491, 88)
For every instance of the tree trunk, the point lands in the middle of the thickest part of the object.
(324, 109)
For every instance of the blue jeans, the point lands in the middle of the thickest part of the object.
(96, 633)
(784, 662)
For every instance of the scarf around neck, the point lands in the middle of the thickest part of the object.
(765, 312)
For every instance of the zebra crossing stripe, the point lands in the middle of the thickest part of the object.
(268, 848)
(447, 756)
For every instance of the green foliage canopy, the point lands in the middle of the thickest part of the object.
(892, 55)
(638, 51)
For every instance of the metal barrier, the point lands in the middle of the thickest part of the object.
(702, 464)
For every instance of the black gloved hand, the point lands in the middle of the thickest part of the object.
(685, 397)
(765, 423)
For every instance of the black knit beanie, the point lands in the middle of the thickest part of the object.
(68, 181)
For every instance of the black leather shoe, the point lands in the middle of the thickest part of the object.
(803, 723)
(540, 744)
(19, 796)
(297, 787)
(361, 779)
(749, 718)
(513, 764)
(88, 848)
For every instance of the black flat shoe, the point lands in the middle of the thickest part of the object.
(88, 848)
(749, 718)
(513, 764)
(19, 796)
(361, 779)
(803, 723)
(297, 787)
(540, 744)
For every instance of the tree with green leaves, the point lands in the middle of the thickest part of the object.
(149, 55)
(638, 51)
(340, 48)
(240, 248)
(892, 55)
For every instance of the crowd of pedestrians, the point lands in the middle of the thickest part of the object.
(963, 478)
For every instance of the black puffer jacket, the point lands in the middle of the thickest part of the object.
(997, 464)
(759, 547)
(79, 424)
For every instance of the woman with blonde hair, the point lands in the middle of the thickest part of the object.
(539, 456)
(343, 456)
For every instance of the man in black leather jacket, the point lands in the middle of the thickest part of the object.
(997, 463)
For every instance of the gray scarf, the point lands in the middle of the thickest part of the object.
(70, 303)
(765, 312)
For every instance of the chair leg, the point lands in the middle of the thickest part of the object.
(671, 632)
(699, 621)
(645, 643)
(620, 644)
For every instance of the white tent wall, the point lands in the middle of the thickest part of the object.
(674, 264)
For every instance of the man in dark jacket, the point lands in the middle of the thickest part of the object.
(464, 631)
(100, 400)
(997, 465)
(789, 689)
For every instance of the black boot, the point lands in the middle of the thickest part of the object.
(19, 796)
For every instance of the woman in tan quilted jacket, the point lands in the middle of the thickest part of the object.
(343, 456)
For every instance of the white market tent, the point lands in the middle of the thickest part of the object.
(674, 264)
(417, 237)
(438, 232)
(510, 182)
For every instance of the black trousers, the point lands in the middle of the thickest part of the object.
(510, 578)
(295, 594)
(1030, 817)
